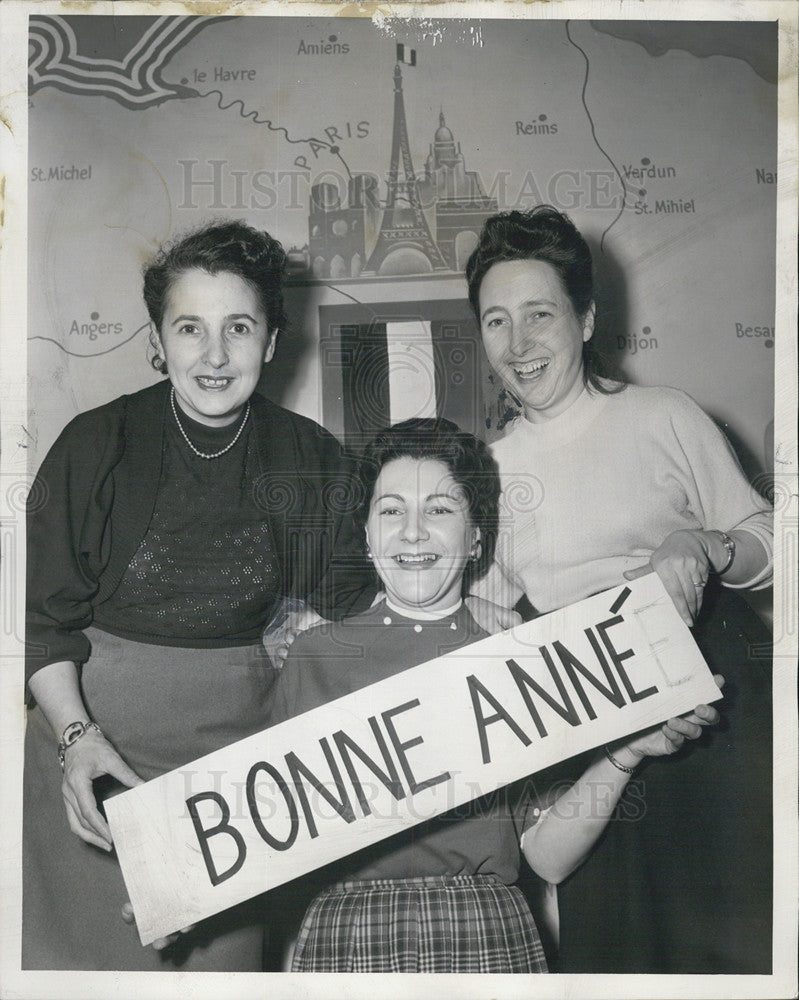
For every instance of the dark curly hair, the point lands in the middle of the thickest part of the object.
(220, 247)
(545, 234)
(468, 459)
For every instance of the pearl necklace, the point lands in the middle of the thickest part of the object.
(202, 454)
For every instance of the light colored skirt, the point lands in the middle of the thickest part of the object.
(161, 707)
(442, 923)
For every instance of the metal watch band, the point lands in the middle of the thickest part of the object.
(72, 734)
(729, 545)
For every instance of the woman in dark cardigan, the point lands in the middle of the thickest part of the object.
(172, 524)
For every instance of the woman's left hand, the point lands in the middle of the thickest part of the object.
(492, 617)
(683, 564)
(160, 943)
(277, 640)
(668, 738)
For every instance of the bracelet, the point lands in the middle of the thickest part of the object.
(729, 545)
(71, 735)
(616, 764)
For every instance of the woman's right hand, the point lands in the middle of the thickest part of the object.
(88, 758)
(56, 690)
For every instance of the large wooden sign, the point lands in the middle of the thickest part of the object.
(324, 784)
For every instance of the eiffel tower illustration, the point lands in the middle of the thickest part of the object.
(403, 224)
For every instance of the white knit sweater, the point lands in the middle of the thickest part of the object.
(595, 491)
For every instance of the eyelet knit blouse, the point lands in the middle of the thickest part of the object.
(206, 568)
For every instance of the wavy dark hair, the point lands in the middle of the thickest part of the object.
(220, 247)
(543, 233)
(470, 464)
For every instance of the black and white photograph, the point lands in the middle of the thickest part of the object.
(399, 499)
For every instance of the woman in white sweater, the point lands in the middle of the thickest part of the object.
(603, 481)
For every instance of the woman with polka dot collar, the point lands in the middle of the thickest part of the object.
(440, 896)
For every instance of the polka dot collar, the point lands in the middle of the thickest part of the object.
(420, 617)
(424, 616)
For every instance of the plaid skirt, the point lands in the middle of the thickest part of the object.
(459, 923)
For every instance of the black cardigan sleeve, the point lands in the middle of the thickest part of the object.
(324, 550)
(348, 583)
(68, 540)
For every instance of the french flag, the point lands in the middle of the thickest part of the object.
(379, 372)
(406, 55)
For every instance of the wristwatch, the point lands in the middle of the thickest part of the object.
(729, 545)
(71, 735)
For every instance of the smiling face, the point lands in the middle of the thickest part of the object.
(532, 336)
(215, 340)
(420, 534)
